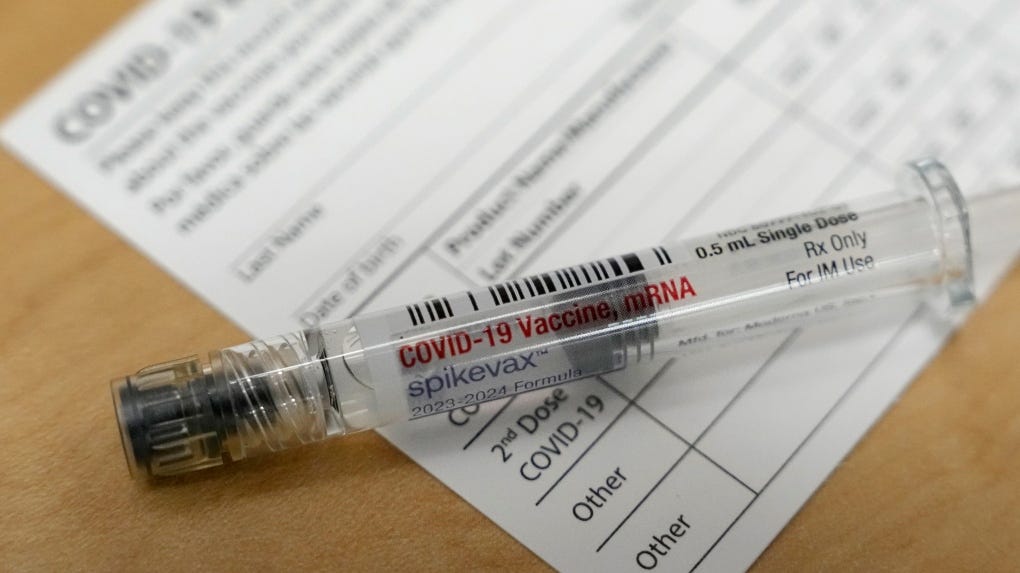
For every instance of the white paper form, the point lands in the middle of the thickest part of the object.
(302, 161)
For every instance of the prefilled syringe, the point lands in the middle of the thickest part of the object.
(534, 332)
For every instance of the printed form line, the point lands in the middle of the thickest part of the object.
(918, 311)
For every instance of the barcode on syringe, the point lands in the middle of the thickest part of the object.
(570, 277)
(435, 309)
(526, 288)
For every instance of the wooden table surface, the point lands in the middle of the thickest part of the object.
(934, 486)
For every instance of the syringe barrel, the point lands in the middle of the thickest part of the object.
(534, 332)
